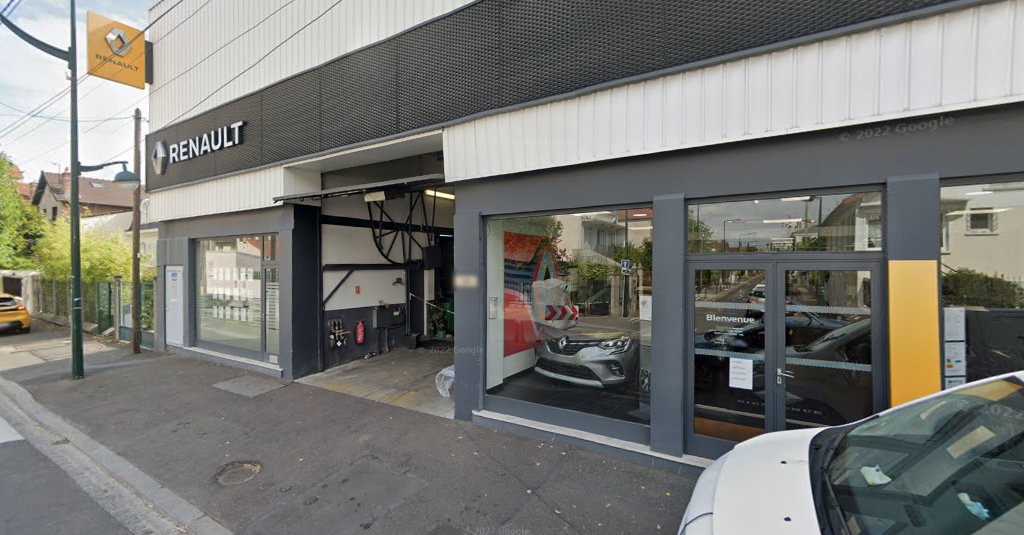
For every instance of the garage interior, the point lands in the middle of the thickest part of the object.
(387, 263)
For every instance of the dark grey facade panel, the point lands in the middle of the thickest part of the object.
(299, 266)
(292, 124)
(495, 54)
(359, 96)
(922, 192)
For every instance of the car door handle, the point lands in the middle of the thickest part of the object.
(784, 373)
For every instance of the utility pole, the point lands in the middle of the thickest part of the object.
(77, 352)
(136, 218)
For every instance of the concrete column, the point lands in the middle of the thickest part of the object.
(667, 337)
(470, 323)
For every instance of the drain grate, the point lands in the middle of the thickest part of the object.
(237, 472)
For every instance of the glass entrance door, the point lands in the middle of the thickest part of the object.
(780, 345)
(826, 372)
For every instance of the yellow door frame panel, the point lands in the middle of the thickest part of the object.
(914, 359)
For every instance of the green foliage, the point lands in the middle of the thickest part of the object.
(971, 288)
(20, 224)
(639, 256)
(699, 235)
(104, 253)
(593, 272)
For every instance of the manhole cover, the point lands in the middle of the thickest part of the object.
(237, 472)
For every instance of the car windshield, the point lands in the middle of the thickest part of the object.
(951, 464)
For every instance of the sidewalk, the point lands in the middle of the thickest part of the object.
(327, 462)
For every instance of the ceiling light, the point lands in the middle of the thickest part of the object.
(440, 194)
(792, 199)
(978, 193)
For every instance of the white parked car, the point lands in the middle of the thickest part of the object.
(952, 462)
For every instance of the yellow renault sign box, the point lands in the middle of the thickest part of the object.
(116, 51)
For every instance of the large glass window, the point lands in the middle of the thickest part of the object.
(569, 311)
(230, 293)
(983, 280)
(843, 222)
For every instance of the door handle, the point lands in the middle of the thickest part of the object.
(785, 373)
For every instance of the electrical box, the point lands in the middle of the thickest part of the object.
(389, 317)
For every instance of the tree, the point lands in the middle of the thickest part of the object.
(104, 253)
(20, 224)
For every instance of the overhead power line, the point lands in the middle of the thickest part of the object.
(9, 129)
(257, 62)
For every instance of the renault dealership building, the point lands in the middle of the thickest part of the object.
(665, 226)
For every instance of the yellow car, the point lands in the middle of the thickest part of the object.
(13, 314)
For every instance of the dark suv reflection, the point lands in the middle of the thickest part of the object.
(832, 383)
(710, 370)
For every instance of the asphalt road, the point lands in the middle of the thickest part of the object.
(36, 496)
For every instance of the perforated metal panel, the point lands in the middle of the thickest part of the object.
(493, 54)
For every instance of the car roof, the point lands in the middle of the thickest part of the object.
(6, 295)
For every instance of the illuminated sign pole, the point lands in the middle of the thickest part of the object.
(120, 43)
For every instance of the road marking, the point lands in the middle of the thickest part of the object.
(7, 433)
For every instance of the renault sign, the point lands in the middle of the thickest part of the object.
(116, 51)
(219, 138)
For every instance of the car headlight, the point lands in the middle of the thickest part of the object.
(616, 345)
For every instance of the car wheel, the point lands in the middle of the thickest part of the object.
(26, 329)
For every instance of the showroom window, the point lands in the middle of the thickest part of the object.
(835, 223)
(982, 280)
(236, 295)
(569, 311)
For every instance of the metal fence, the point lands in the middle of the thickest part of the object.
(124, 306)
(105, 304)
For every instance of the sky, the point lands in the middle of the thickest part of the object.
(28, 77)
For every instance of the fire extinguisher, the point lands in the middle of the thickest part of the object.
(360, 332)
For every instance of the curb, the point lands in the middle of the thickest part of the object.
(131, 496)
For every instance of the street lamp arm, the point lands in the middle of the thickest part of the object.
(90, 168)
(45, 47)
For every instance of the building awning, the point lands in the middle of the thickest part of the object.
(415, 183)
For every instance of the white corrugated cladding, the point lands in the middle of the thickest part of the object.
(235, 193)
(962, 59)
(184, 75)
(182, 40)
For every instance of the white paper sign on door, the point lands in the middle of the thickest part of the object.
(954, 324)
(741, 374)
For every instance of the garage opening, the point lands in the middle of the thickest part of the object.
(387, 263)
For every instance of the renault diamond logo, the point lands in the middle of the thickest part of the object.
(159, 157)
(118, 41)
(562, 342)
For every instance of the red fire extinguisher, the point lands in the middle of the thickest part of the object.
(360, 332)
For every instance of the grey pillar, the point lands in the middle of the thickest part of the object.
(667, 337)
(470, 323)
(912, 217)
